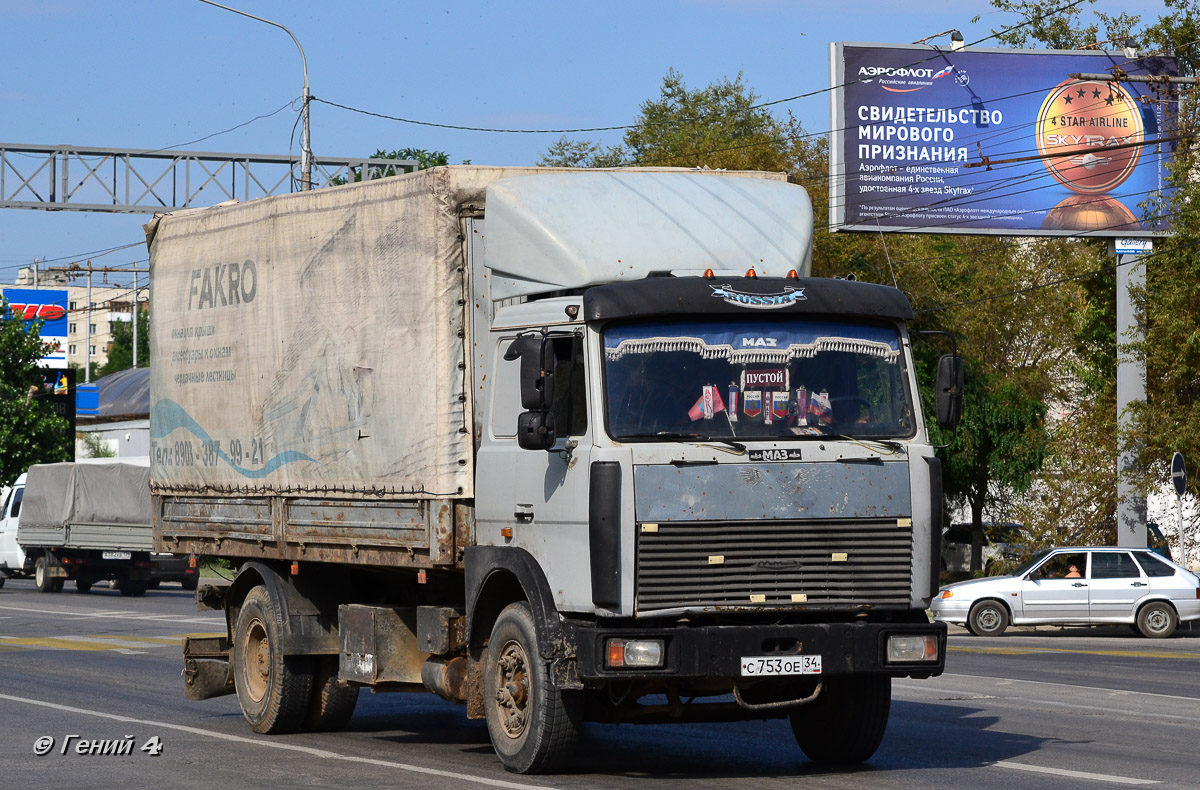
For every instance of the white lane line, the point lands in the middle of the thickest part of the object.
(119, 615)
(1124, 780)
(1011, 681)
(274, 744)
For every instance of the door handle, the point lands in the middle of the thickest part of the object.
(1139, 584)
(1079, 584)
(524, 515)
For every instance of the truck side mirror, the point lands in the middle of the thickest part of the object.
(535, 427)
(537, 370)
(949, 398)
(535, 430)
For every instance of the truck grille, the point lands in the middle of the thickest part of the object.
(773, 564)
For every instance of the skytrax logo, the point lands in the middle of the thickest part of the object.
(773, 301)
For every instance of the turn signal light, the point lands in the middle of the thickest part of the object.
(750, 273)
(946, 594)
(708, 274)
(792, 275)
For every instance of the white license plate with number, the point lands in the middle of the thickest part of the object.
(116, 555)
(756, 666)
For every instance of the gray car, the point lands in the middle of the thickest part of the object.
(1077, 586)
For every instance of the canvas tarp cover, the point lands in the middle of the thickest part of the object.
(313, 343)
(58, 495)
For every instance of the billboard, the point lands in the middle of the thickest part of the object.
(996, 141)
(50, 306)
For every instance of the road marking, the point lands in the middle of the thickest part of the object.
(121, 614)
(1017, 651)
(1125, 780)
(1010, 681)
(119, 644)
(276, 744)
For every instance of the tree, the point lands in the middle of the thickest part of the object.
(120, 353)
(30, 431)
(423, 157)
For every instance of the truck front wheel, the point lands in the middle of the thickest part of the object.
(531, 722)
(846, 722)
(274, 690)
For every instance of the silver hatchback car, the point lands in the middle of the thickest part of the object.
(1077, 586)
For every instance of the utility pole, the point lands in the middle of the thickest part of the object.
(306, 155)
(75, 270)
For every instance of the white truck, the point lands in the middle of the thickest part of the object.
(562, 445)
(81, 522)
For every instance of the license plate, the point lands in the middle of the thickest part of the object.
(762, 666)
(116, 555)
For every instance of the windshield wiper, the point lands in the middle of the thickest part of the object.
(688, 437)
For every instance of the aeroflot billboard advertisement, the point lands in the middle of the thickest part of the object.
(932, 140)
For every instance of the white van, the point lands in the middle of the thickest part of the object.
(12, 556)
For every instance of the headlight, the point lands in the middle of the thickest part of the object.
(908, 649)
(634, 653)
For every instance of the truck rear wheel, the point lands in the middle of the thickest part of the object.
(274, 690)
(83, 585)
(845, 724)
(531, 722)
(333, 702)
(41, 576)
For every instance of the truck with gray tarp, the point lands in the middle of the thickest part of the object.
(82, 522)
(561, 445)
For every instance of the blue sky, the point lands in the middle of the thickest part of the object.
(149, 74)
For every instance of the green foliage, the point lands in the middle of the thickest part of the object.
(120, 354)
(423, 157)
(30, 431)
(94, 445)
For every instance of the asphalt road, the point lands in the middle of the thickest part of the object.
(1051, 709)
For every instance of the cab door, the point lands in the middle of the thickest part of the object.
(11, 554)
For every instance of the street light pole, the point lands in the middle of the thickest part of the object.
(306, 156)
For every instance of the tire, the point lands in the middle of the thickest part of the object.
(133, 589)
(332, 704)
(153, 584)
(273, 690)
(41, 576)
(532, 723)
(83, 585)
(3, 579)
(845, 724)
(1157, 620)
(190, 583)
(988, 618)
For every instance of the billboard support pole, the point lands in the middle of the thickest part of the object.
(1131, 385)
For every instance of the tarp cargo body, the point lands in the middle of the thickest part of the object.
(490, 430)
(86, 522)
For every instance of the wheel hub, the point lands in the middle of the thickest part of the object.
(512, 695)
(257, 668)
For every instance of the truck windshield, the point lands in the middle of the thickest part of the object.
(755, 379)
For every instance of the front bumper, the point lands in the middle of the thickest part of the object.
(714, 652)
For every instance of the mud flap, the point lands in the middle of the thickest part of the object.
(206, 668)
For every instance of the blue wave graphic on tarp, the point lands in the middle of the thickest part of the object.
(167, 416)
